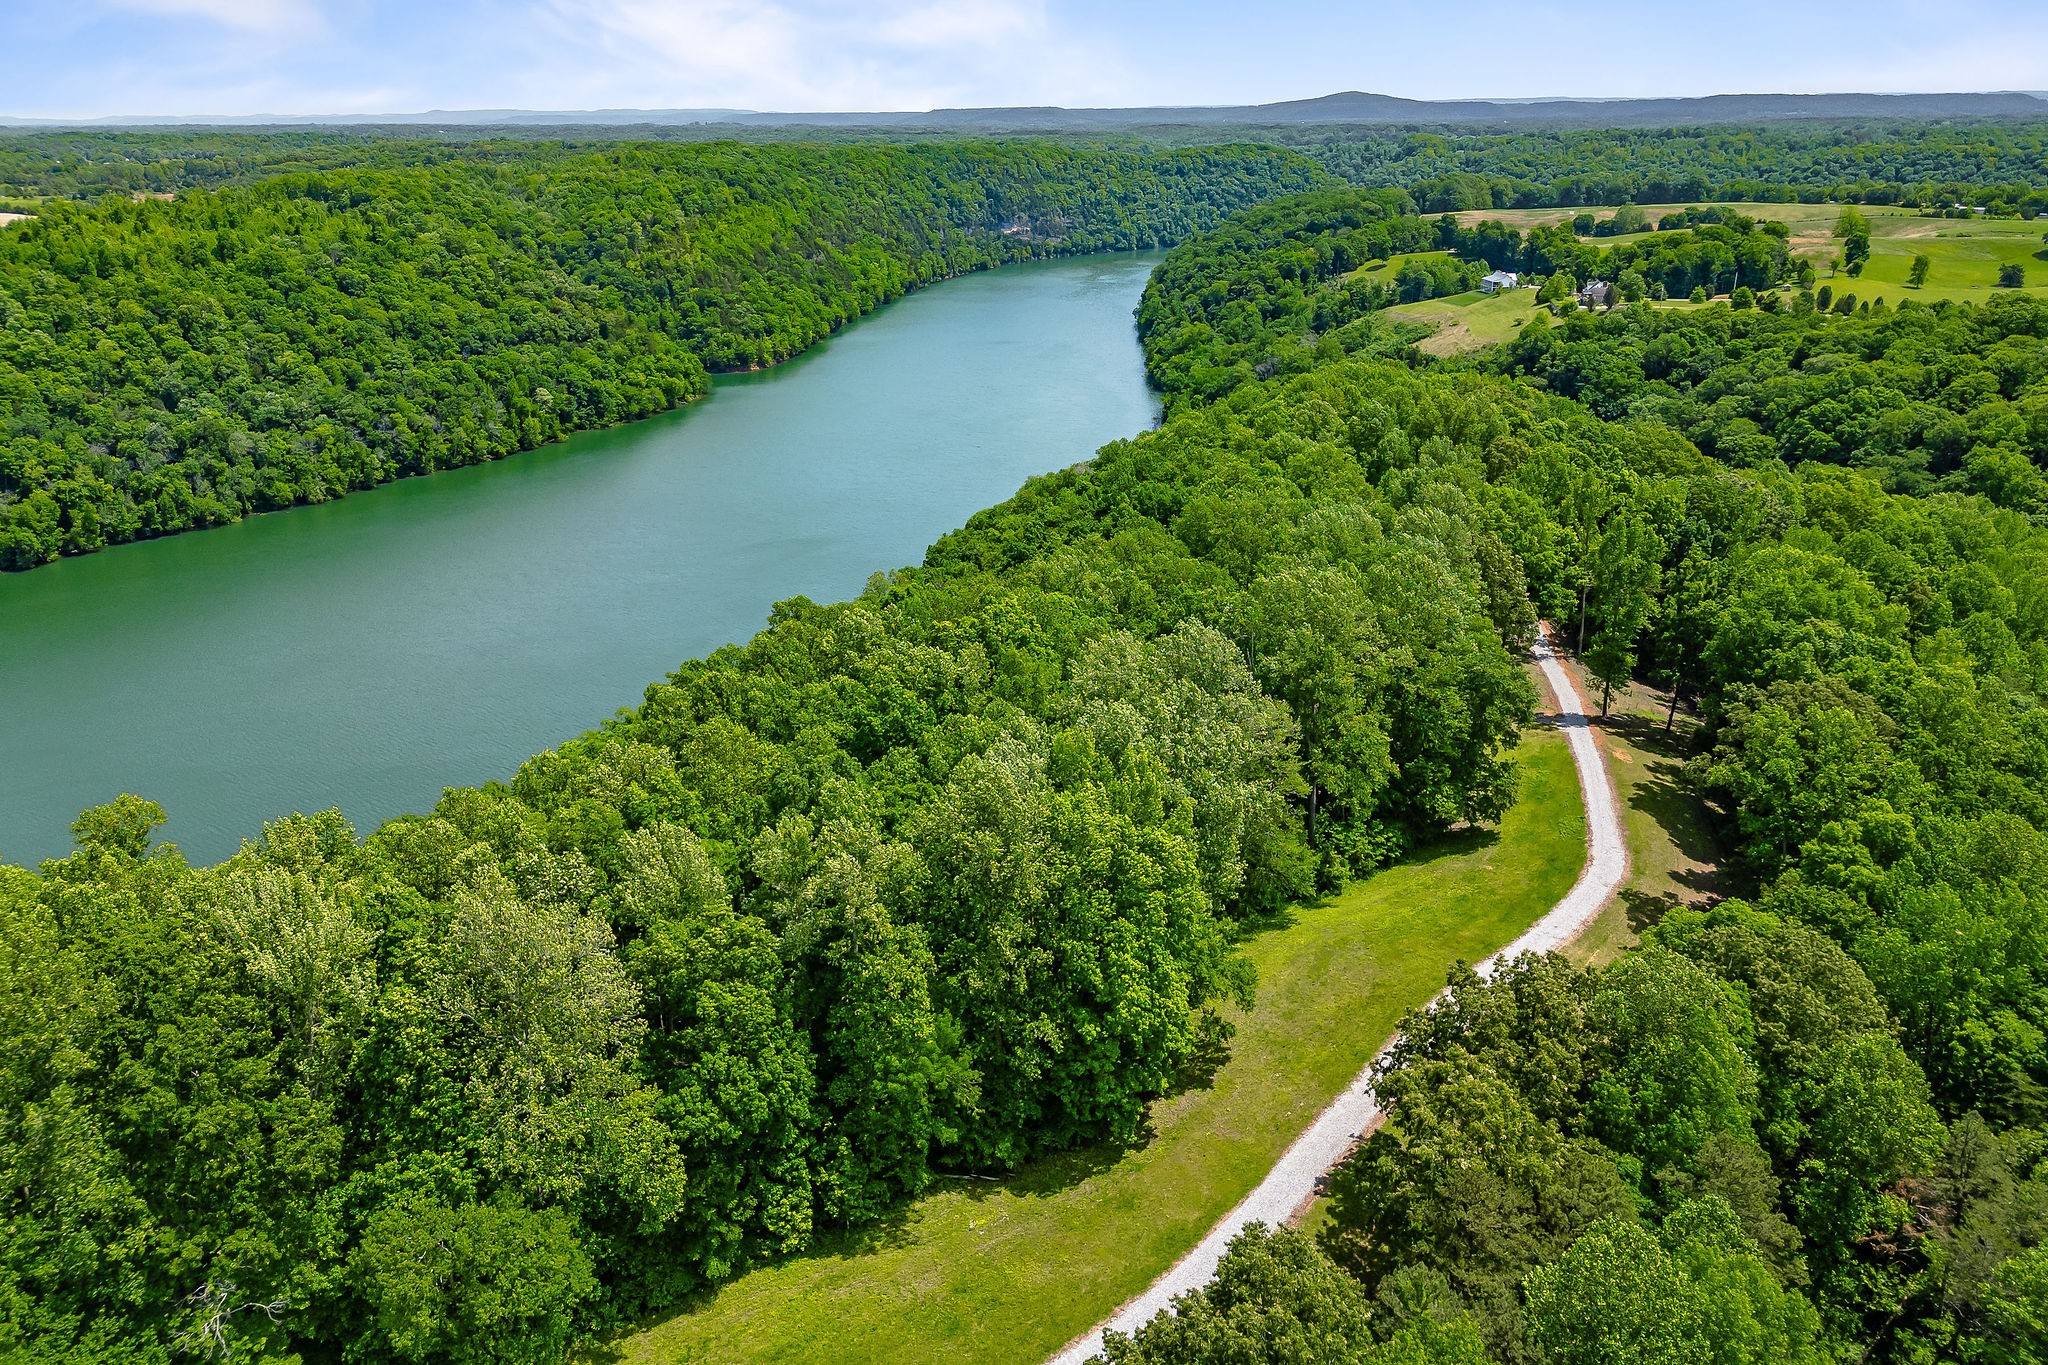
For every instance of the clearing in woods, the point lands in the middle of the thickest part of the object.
(1964, 258)
(1673, 857)
(1964, 254)
(1463, 322)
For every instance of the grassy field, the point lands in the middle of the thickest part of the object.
(1964, 258)
(1010, 1272)
(1465, 322)
(1964, 254)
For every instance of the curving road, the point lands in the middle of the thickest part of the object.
(1323, 1144)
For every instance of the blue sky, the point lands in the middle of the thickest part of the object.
(94, 57)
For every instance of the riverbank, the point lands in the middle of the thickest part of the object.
(366, 653)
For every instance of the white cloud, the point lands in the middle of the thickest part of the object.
(964, 23)
(775, 54)
(257, 15)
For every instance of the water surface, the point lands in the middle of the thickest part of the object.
(434, 632)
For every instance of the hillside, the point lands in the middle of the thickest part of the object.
(185, 359)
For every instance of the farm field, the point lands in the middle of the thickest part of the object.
(1010, 1271)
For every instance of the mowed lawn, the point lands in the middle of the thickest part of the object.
(1462, 322)
(1010, 1272)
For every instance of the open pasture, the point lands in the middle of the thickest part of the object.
(1964, 254)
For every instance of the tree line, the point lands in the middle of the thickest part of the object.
(174, 364)
(1996, 164)
(1270, 292)
(1932, 399)
(1804, 1124)
(1713, 250)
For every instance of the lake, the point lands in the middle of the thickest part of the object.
(435, 632)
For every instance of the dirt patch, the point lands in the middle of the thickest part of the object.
(6, 218)
(1453, 338)
(1522, 218)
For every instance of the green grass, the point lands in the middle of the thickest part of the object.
(1465, 322)
(1010, 1272)
(1964, 257)
(1384, 271)
(1673, 857)
(1964, 253)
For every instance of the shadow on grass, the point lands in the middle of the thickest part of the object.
(1645, 910)
(1677, 812)
(1037, 1179)
(1660, 792)
(1453, 843)
(1211, 1054)
(1674, 745)
(887, 1233)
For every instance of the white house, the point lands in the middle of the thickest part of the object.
(1499, 280)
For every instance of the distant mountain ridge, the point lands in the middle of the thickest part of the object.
(1349, 106)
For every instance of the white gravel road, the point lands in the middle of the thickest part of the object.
(1293, 1178)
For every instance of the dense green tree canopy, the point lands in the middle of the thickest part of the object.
(1998, 165)
(950, 876)
(1282, 287)
(166, 364)
(1805, 1123)
(930, 882)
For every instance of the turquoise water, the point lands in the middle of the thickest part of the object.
(368, 652)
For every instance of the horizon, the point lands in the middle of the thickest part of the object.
(220, 60)
(485, 116)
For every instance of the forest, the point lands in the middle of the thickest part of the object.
(1237, 303)
(2000, 165)
(1713, 250)
(179, 363)
(923, 884)
(1996, 162)
(952, 876)
(1804, 1124)
(1925, 399)
(1279, 289)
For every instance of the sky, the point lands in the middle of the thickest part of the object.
(89, 58)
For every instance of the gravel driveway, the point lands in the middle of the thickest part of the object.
(1293, 1178)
